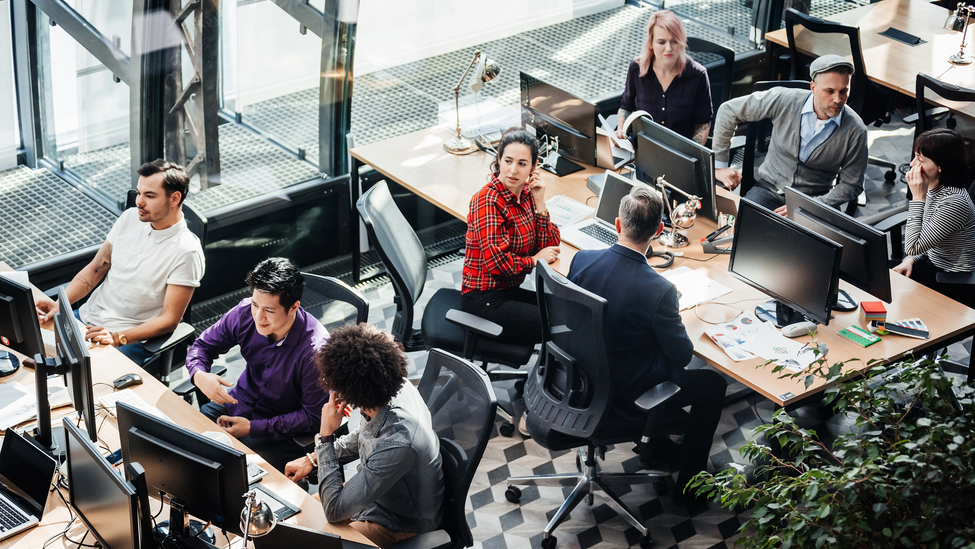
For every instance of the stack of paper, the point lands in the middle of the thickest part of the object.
(694, 287)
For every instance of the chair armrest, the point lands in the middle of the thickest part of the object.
(474, 323)
(165, 342)
(885, 221)
(874, 161)
(53, 292)
(187, 386)
(438, 539)
(657, 395)
(955, 278)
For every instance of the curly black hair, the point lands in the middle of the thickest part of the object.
(362, 364)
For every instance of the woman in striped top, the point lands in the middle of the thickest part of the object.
(940, 234)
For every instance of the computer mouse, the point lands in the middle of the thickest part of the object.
(798, 329)
(8, 363)
(126, 381)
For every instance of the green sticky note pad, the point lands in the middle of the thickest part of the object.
(855, 337)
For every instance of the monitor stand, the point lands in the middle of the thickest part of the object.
(8, 364)
(187, 529)
(845, 302)
(778, 314)
(561, 167)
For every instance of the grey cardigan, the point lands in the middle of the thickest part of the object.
(845, 151)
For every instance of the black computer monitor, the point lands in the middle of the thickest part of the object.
(685, 163)
(798, 268)
(19, 329)
(864, 262)
(207, 478)
(71, 360)
(558, 113)
(107, 504)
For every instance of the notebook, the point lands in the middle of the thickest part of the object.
(599, 232)
(25, 482)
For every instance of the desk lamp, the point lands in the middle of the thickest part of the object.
(681, 217)
(256, 519)
(487, 71)
(956, 22)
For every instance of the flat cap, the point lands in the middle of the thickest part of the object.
(827, 63)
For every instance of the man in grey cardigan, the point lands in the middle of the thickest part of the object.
(815, 137)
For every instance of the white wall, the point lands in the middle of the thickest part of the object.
(9, 134)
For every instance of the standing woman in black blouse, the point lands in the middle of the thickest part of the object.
(667, 83)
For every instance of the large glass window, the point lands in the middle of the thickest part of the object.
(9, 130)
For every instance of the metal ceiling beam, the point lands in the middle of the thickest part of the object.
(88, 37)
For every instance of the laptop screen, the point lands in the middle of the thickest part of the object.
(614, 189)
(25, 472)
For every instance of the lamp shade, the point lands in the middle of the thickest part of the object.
(256, 519)
(955, 22)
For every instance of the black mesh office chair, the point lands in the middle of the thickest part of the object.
(926, 84)
(443, 325)
(569, 394)
(716, 59)
(462, 407)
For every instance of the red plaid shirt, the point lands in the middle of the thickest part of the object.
(502, 237)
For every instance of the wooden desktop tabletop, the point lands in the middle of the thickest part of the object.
(108, 364)
(891, 63)
(417, 161)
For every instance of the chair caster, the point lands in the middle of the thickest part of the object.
(578, 463)
(889, 176)
(506, 429)
(549, 542)
(520, 386)
(645, 541)
(513, 494)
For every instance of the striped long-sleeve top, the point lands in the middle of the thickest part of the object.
(943, 228)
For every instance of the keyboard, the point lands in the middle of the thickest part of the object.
(255, 473)
(10, 516)
(617, 160)
(600, 233)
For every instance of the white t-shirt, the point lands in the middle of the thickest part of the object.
(144, 261)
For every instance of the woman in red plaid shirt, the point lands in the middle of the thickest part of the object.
(508, 230)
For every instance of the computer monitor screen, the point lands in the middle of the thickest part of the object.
(209, 477)
(73, 354)
(19, 329)
(864, 262)
(662, 151)
(790, 263)
(558, 113)
(106, 504)
(612, 193)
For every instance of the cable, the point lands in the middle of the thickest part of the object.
(727, 304)
(702, 260)
(82, 542)
(59, 534)
(105, 384)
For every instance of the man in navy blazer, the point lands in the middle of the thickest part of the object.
(648, 340)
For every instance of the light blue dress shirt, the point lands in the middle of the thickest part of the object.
(811, 136)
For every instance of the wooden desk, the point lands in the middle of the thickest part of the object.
(417, 161)
(107, 364)
(890, 63)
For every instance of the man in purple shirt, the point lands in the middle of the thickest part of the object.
(278, 395)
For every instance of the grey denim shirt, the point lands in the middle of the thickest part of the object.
(399, 483)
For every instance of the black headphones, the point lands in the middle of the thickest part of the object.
(668, 259)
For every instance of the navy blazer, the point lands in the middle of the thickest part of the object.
(646, 334)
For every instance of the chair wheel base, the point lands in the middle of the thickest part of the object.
(513, 494)
(549, 542)
(506, 429)
(645, 541)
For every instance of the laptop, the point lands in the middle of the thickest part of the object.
(290, 536)
(26, 472)
(599, 232)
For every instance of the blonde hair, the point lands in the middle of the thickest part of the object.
(669, 22)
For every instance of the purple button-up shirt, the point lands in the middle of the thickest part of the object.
(278, 390)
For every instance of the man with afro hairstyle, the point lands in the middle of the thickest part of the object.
(397, 492)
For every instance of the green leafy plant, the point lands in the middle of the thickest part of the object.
(904, 478)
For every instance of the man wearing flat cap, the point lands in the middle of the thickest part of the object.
(815, 137)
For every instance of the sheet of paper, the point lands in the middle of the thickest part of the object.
(566, 211)
(732, 334)
(25, 408)
(694, 287)
(770, 344)
(19, 277)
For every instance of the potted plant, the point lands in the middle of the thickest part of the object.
(904, 478)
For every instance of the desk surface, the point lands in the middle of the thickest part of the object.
(890, 63)
(417, 161)
(108, 364)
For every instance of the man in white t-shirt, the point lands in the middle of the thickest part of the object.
(153, 262)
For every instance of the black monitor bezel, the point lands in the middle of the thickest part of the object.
(581, 147)
(72, 434)
(22, 300)
(73, 355)
(820, 213)
(820, 317)
(229, 457)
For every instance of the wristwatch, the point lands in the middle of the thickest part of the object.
(319, 440)
(122, 340)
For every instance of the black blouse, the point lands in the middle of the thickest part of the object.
(686, 104)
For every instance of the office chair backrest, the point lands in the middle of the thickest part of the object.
(399, 248)
(759, 131)
(324, 292)
(570, 387)
(858, 83)
(722, 86)
(462, 405)
(944, 90)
